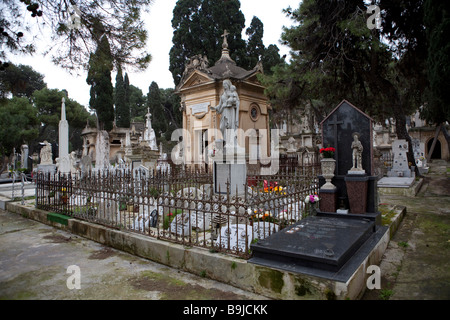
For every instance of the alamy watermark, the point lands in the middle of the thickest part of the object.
(200, 146)
(374, 280)
(74, 21)
(374, 20)
(74, 280)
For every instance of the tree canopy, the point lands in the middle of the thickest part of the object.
(121, 101)
(20, 81)
(198, 29)
(75, 28)
(18, 124)
(156, 107)
(99, 78)
(336, 56)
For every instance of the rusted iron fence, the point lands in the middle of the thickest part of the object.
(181, 207)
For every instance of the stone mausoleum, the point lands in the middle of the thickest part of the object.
(200, 90)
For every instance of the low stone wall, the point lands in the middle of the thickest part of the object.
(273, 283)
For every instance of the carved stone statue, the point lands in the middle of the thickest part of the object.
(357, 149)
(228, 108)
(149, 133)
(46, 153)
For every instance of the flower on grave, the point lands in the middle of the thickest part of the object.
(327, 152)
(272, 187)
(312, 198)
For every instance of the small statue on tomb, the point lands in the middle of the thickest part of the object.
(357, 149)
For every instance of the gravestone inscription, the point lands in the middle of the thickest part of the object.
(235, 236)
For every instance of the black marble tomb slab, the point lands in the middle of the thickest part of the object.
(318, 242)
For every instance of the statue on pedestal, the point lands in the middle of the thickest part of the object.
(228, 108)
(357, 150)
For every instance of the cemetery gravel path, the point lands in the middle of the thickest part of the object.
(416, 263)
(34, 261)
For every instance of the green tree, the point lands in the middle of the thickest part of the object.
(336, 56)
(255, 45)
(271, 58)
(48, 107)
(172, 111)
(99, 78)
(437, 108)
(20, 81)
(75, 28)
(194, 33)
(18, 125)
(155, 103)
(126, 85)
(120, 100)
(138, 103)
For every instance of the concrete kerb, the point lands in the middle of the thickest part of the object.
(273, 283)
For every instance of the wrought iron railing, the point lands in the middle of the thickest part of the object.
(182, 207)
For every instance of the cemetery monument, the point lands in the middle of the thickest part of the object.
(64, 162)
(330, 244)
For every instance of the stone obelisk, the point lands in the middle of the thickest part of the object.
(64, 159)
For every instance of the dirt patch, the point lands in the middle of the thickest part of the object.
(104, 253)
(173, 289)
(58, 238)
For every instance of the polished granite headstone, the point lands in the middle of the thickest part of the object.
(337, 131)
(318, 242)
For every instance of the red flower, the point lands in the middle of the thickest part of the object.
(328, 152)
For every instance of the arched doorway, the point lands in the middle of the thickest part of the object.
(437, 153)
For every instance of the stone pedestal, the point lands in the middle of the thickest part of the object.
(234, 174)
(357, 186)
(328, 200)
(46, 168)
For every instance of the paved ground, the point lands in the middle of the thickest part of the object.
(34, 262)
(34, 259)
(416, 264)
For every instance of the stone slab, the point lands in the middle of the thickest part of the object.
(395, 182)
(406, 191)
(369, 253)
(319, 242)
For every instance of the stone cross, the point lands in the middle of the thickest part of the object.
(224, 36)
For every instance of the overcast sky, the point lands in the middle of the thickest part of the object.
(159, 43)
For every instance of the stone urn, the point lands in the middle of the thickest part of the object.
(328, 166)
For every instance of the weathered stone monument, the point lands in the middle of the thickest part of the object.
(400, 178)
(149, 133)
(102, 151)
(64, 162)
(332, 245)
(400, 167)
(24, 156)
(201, 88)
(46, 155)
(230, 169)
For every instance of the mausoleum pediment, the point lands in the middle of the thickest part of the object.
(196, 78)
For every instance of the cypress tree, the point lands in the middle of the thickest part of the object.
(120, 99)
(99, 78)
(155, 103)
